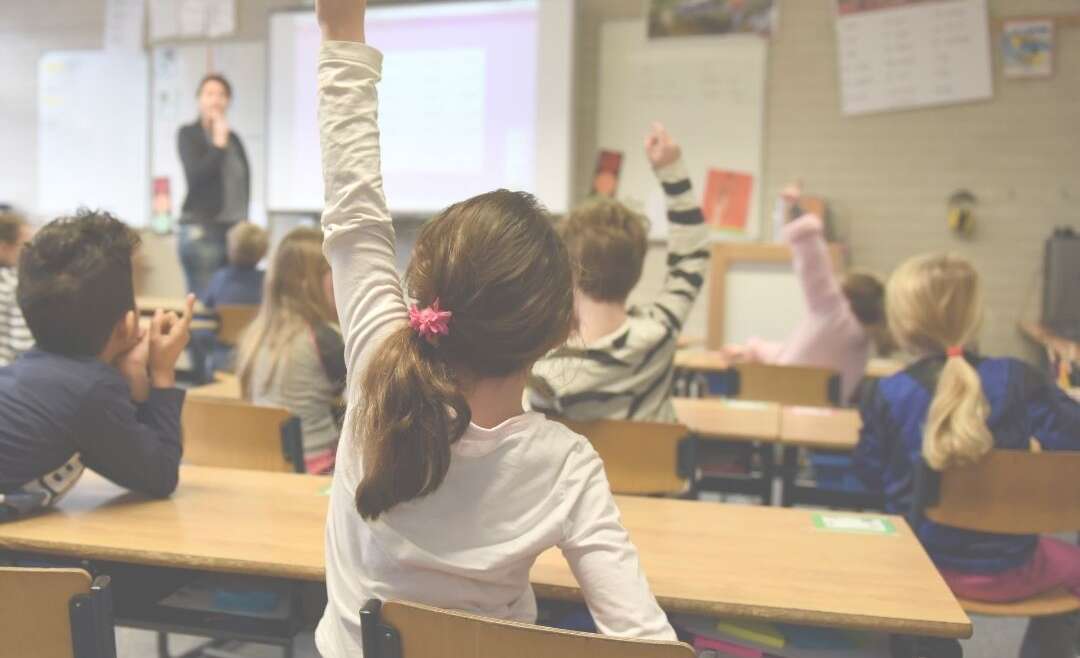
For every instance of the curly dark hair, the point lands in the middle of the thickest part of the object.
(75, 282)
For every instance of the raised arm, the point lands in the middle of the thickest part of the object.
(688, 238)
(359, 238)
(812, 263)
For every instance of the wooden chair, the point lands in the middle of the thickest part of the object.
(787, 385)
(237, 434)
(409, 630)
(1008, 492)
(639, 457)
(55, 613)
(233, 320)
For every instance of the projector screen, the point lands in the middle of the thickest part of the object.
(474, 96)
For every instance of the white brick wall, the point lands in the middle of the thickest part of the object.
(888, 176)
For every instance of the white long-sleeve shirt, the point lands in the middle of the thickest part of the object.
(511, 492)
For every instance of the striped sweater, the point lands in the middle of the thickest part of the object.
(627, 374)
(15, 337)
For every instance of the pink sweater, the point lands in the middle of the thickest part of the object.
(829, 336)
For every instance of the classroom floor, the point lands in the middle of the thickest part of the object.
(994, 638)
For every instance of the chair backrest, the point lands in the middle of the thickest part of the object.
(639, 457)
(789, 385)
(1008, 491)
(38, 616)
(237, 434)
(234, 318)
(420, 631)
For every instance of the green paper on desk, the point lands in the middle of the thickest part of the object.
(868, 525)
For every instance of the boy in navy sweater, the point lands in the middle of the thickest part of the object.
(98, 391)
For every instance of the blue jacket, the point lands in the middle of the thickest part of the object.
(1023, 404)
(234, 285)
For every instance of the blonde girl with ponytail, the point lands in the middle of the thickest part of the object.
(951, 408)
(934, 306)
(445, 491)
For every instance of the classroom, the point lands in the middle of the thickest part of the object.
(768, 349)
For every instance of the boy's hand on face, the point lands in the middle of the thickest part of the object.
(133, 365)
(341, 20)
(660, 148)
(169, 336)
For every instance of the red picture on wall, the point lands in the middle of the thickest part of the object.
(727, 199)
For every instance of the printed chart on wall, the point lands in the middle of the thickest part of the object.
(709, 92)
(903, 54)
(177, 72)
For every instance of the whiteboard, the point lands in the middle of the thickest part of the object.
(92, 134)
(746, 285)
(177, 72)
(710, 93)
(915, 54)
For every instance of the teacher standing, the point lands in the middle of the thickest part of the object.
(218, 183)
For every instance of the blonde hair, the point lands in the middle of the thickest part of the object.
(247, 244)
(294, 300)
(933, 303)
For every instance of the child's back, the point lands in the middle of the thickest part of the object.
(949, 410)
(292, 355)
(1023, 403)
(234, 285)
(15, 337)
(620, 362)
(445, 492)
(98, 391)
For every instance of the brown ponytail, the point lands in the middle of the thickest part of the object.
(496, 263)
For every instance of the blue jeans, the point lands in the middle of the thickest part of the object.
(202, 252)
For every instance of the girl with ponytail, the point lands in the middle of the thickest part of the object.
(445, 490)
(950, 409)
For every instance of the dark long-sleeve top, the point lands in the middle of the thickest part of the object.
(204, 167)
(1024, 403)
(59, 413)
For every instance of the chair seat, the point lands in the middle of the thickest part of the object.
(1055, 602)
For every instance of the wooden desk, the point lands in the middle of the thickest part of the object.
(704, 558)
(712, 361)
(701, 360)
(718, 418)
(225, 386)
(1063, 348)
(817, 427)
(148, 305)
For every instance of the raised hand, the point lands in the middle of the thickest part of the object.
(219, 131)
(341, 20)
(660, 148)
(169, 336)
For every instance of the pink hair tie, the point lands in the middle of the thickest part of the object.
(955, 350)
(430, 322)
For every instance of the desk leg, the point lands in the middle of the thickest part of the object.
(789, 474)
(767, 451)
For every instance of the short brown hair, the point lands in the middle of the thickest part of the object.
(866, 295)
(11, 223)
(247, 244)
(75, 282)
(607, 243)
